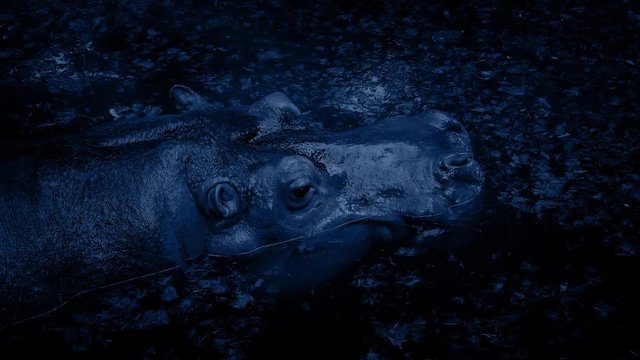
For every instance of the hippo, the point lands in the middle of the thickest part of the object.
(143, 195)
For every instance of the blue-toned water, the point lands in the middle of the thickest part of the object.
(548, 93)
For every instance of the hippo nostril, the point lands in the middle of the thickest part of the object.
(458, 160)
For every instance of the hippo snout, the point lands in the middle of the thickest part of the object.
(460, 177)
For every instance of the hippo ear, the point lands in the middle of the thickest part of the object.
(273, 111)
(185, 98)
(222, 201)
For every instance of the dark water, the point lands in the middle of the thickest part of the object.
(549, 95)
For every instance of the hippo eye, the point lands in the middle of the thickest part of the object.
(301, 193)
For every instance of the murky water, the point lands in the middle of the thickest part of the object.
(548, 93)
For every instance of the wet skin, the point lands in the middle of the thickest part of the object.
(336, 193)
(147, 194)
(399, 168)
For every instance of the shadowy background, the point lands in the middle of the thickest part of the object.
(547, 90)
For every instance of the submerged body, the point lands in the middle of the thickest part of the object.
(80, 216)
(135, 198)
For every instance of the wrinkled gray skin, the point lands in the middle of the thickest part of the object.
(146, 194)
(397, 169)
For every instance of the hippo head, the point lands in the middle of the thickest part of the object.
(316, 199)
(136, 195)
(350, 186)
